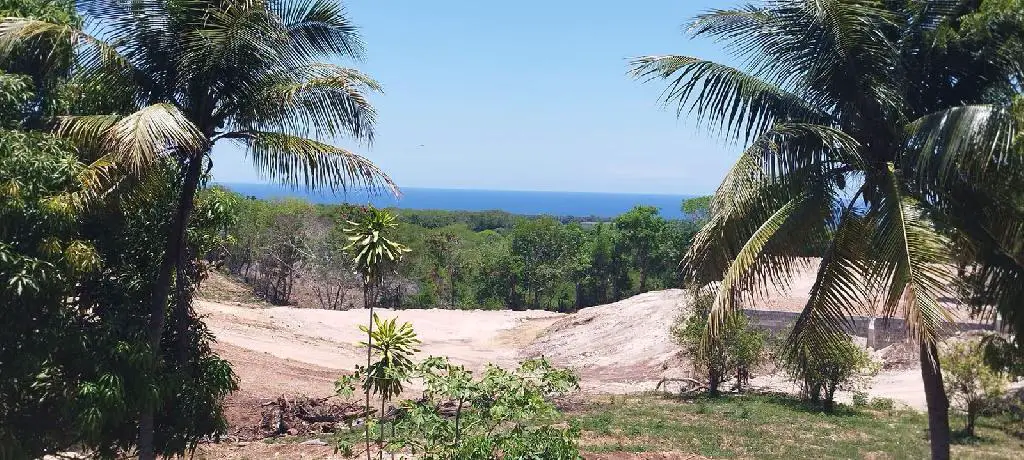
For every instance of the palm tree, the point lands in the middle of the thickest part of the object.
(853, 138)
(159, 80)
(374, 253)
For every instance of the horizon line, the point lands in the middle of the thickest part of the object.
(461, 189)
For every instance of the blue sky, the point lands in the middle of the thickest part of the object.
(527, 95)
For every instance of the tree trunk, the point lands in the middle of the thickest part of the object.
(173, 247)
(380, 436)
(369, 338)
(972, 416)
(451, 276)
(938, 403)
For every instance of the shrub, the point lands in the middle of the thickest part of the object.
(860, 399)
(970, 383)
(731, 354)
(822, 370)
(502, 414)
(883, 403)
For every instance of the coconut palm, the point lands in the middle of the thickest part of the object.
(854, 132)
(374, 253)
(157, 79)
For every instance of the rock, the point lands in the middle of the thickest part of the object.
(314, 442)
(292, 432)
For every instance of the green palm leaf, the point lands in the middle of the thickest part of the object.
(733, 102)
(136, 140)
(962, 143)
(297, 161)
(322, 99)
(318, 28)
(839, 292)
(913, 260)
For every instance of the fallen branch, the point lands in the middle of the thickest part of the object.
(692, 385)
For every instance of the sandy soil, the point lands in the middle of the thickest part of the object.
(616, 348)
(620, 347)
(271, 348)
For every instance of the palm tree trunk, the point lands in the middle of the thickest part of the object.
(938, 403)
(173, 248)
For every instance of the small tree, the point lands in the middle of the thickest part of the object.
(970, 383)
(822, 370)
(373, 253)
(732, 353)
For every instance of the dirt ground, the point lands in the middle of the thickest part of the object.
(623, 347)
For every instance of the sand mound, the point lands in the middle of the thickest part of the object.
(626, 342)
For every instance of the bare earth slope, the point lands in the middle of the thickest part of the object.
(281, 339)
(618, 348)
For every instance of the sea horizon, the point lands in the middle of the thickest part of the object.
(526, 202)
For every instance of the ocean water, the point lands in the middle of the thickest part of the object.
(516, 202)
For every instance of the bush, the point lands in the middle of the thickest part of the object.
(860, 399)
(970, 383)
(736, 350)
(502, 414)
(822, 370)
(883, 403)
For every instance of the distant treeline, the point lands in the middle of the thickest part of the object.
(292, 252)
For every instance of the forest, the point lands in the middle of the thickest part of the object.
(293, 252)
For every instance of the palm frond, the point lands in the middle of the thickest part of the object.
(88, 132)
(297, 161)
(137, 139)
(826, 50)
(735, 103)
(991, 226)
(911, 259)
(781, 164)
(327, 100)
(768, 256)
(15, 31)
(838, 292)
(243, 39)
(318, 28)
(965, 143)
(97, 180)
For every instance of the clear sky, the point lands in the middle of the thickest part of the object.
(527, 95)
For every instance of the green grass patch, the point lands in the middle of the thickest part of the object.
(772, 427)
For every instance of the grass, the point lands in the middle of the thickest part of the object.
(771, 427)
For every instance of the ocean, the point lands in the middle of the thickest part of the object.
(580, 204)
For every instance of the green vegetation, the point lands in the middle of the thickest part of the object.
(973, 386)
(74, 363)
(529, 262)
(884, 136)
(844, 366)
(769, 427)
(732, 354)
(116, 216)
(501, 414)
(876, 130)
